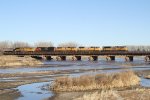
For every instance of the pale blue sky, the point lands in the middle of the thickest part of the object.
(88, 22)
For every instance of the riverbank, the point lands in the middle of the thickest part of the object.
(9, 94)
(14, 61)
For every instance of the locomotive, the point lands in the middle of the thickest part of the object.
(24, 49)
(115, 48)
(67, 49)
(45, 49)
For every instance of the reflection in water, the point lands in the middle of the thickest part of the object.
(34, 91)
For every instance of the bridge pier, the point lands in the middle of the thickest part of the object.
(76, 58)
(147, 58)
(61, 58)
(93, 58)
(48, 58)
(110, 58)
(129, 58)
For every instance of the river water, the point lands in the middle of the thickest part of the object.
(78, 65)
(35, 91)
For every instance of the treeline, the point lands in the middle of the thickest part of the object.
(138, 48)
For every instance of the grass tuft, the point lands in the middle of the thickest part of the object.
(99, 81)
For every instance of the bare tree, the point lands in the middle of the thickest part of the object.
(43, 44)
(138, 48)
(68, 44)
(20, 44)
(5, 44)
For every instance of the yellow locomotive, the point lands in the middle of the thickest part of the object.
(89, 49)
(24, 49)
(60, 49)
(94, 49)
(115, 48)
(121, 48)
(82, 49)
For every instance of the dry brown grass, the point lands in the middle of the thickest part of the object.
(99, 81)
(14, 61)
(137, 94)
(101, 95)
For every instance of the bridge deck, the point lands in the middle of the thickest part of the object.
(80, 53)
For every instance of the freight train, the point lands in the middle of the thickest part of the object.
(70, 49)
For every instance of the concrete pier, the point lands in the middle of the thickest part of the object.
(78, 58)
(93, 58)
(61, 58)
(37, 57)
(48, 58)
(110, 58)
(147, 58)
(129, 58)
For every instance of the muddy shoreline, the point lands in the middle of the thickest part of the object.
(9, 94)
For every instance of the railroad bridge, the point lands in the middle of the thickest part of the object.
(129, 56)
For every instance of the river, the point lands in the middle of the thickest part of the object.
(35, 91)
